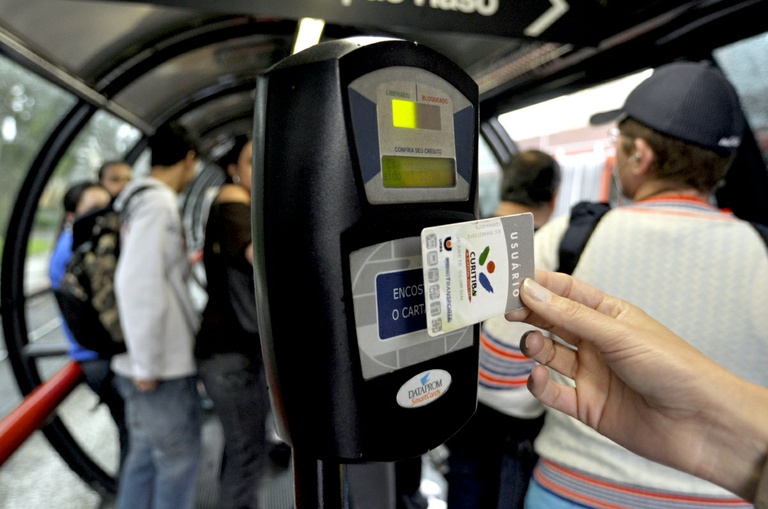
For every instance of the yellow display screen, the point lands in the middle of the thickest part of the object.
(403, 171)
(413, 115)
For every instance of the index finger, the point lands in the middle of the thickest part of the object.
(574, 310)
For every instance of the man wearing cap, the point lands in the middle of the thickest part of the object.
(699, 270)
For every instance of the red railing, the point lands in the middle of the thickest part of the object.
(36, 409)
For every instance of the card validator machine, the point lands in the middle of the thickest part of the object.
(358, 145)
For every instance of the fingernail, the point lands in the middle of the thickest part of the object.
(535, 290)
(524, 339)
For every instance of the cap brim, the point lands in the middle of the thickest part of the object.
(606, 116)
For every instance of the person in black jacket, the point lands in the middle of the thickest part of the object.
(228, 348)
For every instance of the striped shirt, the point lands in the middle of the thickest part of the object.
(600, 493)
(504, 370)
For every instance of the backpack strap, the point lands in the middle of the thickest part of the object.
(584, 219)
(83, 227)
(762, 230)
(134, 192)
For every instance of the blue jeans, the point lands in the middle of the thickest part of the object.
(161, 468)
(484, 485)
(491, 461)
(238, 389)
(100, 379)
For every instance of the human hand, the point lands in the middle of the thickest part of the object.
(638, 383)
(145, 385)
(249, 253)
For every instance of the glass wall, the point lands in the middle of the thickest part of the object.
(30, 108)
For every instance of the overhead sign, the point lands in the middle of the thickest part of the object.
(555, 20)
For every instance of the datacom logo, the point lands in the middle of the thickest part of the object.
(475, 274)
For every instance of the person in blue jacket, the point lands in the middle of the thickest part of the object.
(80, 198)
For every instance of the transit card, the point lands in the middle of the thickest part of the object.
(474, 270)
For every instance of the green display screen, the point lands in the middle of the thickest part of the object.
(403, 171)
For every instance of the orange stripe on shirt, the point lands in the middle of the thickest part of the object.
(500, 351)
(635, 491)
(515, 382)
(681, 213)
(572, 495)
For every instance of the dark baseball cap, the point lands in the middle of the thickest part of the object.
(691, 101)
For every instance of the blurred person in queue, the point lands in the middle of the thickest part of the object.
(529, 183)
(228, 348)
(491, 457)
(157, 376)
(114, 176)
(81, 198)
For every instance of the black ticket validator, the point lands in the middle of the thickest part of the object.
(358, 145)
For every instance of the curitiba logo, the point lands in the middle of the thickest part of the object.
(475, 274)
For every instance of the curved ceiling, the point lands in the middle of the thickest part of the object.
(197, 60)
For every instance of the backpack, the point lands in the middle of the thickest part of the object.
(583, 221)
(86, 295)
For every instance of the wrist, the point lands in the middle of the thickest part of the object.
(761, 494)
(738, 442)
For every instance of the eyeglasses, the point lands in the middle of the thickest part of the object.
(614, 134)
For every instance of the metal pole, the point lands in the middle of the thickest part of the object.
(37, 407)
(319, 484)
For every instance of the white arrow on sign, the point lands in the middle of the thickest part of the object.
(559, 7)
